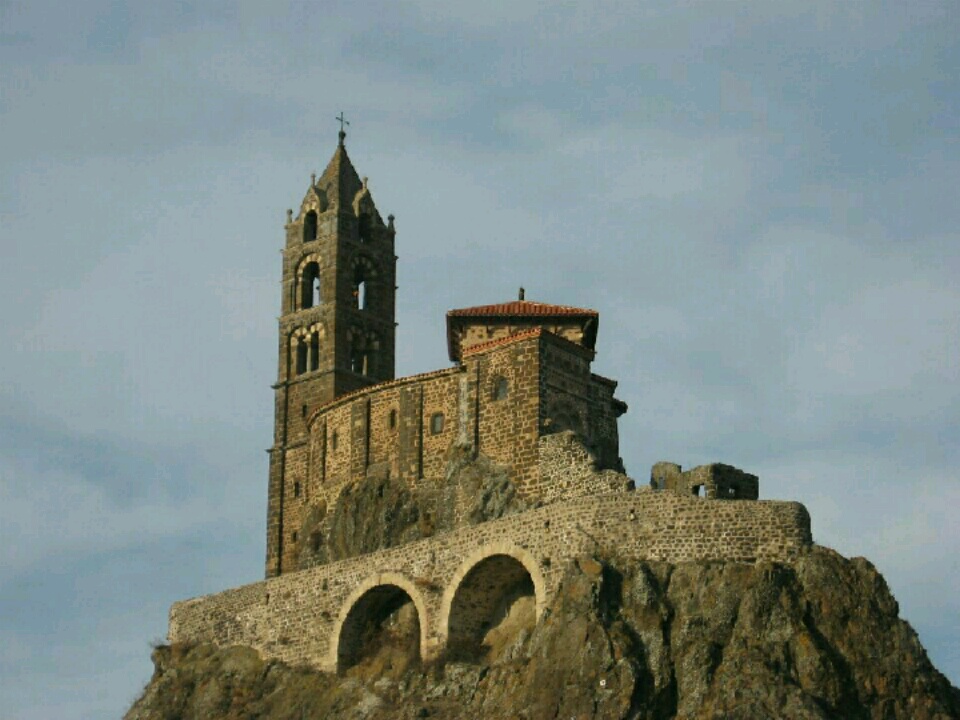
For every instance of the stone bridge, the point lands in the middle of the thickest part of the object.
(457, 580)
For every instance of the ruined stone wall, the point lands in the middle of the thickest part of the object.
(296, 617)
(715, 481)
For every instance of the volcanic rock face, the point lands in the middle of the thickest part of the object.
(380, 512)
(818, 639)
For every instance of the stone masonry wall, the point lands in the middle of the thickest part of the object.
(297, 617)
(715, 481)
(568, 470)
(407, 428)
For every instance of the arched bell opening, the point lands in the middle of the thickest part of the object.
(380, 635)
(310, 226)
(310, 286)
(493, 611)
(362, 352)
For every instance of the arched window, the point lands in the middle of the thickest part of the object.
(362, 294)
(436, 423)
(310, 226)
(363, 352)
(310, 286)
(361, 275)
(501, 388)
(314, 351)
(393, 419)
(302, 347)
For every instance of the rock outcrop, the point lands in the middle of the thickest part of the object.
(380, 512)
(817, 639)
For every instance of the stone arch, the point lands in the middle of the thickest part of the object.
(363, 350)
(307, 290)
(476, 591)
(305, 345)
(310, 225)
(374, 594)
(363, 274)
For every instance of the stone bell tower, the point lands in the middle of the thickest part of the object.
(337, 327)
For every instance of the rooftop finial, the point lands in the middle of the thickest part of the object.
(520, 294)
(343, 121)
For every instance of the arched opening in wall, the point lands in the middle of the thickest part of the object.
(314, 351)
(493, 611)
(310, 286)
(697, 490)
(501, 388)
(310, 226)
(362, 294)
(380, 636)
(364, 274)
(361, 286)
(301, 361)
(363, 352)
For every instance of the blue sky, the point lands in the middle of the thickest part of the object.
(759, 198)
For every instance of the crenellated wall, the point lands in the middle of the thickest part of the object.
(298, 617)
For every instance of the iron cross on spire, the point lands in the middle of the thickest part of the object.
(343, 121)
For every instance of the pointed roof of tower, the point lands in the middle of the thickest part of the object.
(340, 180)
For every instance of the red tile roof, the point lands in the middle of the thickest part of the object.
(520, 308)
